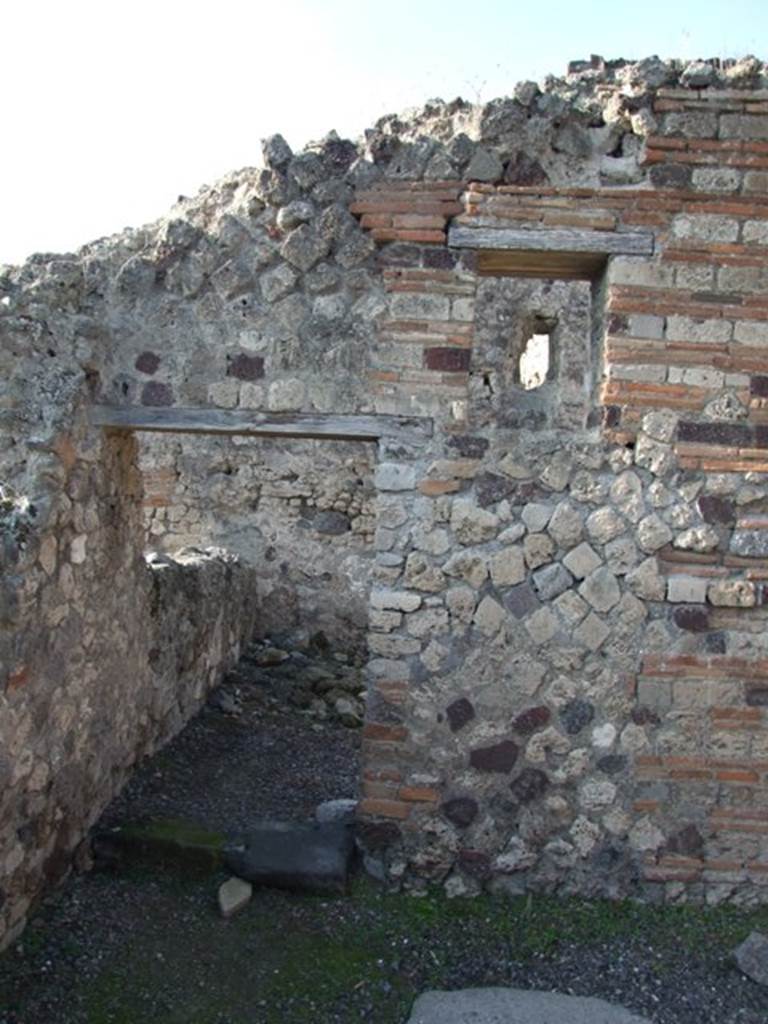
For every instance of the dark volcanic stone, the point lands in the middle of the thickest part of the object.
(490, 488)
(576, 714)
(687, 841)
(459, 713)
(147, 363)
(529, 785)
(294, 855)
(521, 600)
(611, 416)
(524, 170)
(246, 367)
(439, 258)
(377, 835)
(692, 617)
(531, 720)
(670, 175)
(475, 863)
(644, 716)
(738, 434)
(715, 642)
(331, 522)
(155, 393)
(717, 510)
(467, 446)
(447, 359)
(612, 764)
(500, 757)
(461, 811)
(757, 696)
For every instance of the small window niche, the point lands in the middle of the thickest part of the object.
(535, 362)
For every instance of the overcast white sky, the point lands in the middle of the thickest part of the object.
(110, 110)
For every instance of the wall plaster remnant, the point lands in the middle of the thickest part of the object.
(568, 659)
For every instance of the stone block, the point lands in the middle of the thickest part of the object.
(732, 594)
(686, 589)
(550, 581)
(717, 179)
(566, 525)
(538, 549)
(686, 328)
(394, 476)
(489, 616)
(419, 306)
(748, 127)
(604, 524)
(582, 560)
(536, 515)
(601, 589)
(752, 957)
(508, 567)
(645, 325)
(459, 713)
(571, 607)
(756, 232)
(499, 757)
(471, 524)
(396, 600)
(542, 626)
(592, 632)
(704, 227)
(521, 600)
(653, 533)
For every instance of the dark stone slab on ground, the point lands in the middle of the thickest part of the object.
(309, 856)
(752, 957)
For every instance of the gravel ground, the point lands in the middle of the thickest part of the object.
(141, 945)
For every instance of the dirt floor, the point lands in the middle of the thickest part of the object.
(138, 944)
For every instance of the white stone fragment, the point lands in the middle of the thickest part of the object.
(234, 894)
(604, 736)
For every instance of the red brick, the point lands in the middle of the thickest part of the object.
(385, 808)
(434, 488)
(419, 794)
(18, 678)
(451, 360)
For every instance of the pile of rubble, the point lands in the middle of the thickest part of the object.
(319, 682)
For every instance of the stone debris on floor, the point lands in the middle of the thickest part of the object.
(234, 894)
(323, 684)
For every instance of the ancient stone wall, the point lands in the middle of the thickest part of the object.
(101, 657)
(566, 621)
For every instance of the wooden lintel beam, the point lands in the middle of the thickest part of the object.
(583, 266)
(553, 240)
(317, 426)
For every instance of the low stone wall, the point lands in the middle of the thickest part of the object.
(157, 640)
(202, 611)
(299, 512)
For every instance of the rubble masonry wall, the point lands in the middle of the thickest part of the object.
(568, 667)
